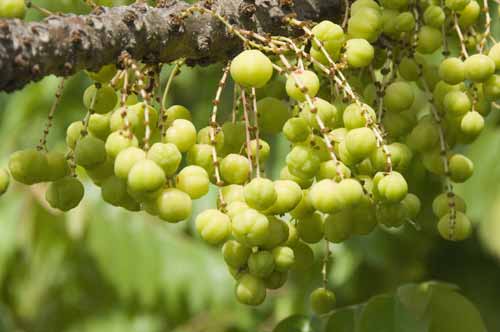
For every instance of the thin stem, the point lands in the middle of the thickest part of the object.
(247, 128)
(163, 106)
(463, 49)
(487, 29)
(46, 12)
(256, 130)
(43, 141)
(326, 258)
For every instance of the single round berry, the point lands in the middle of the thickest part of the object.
(250, 290)
(472, 124)
(176, 112)
(167, 156)
(276, 280)
(278, 233)
(182, 133)
(442, 203)
(429, 40)
(90, 152)
(434, 16)
(359, 53)
(126, 159)
(479, 67)
(57, 166)
(452, 70)
(322, 301)
(119, 141)
(261, 264)
(360, 142)
(284, 258)
(492, 87)
(260, 193)
(145, 176)
(173, 205)
(251, 68)
(392, 187)
(12, 9)
(326, 112)
(457, 103)
(193, 180)
(104, 75)
(338, 226)
(114, 191)
(264, 151)
(455, 229)
(235, 254)
(303, 162)
(99, 126)
(235, 169)
(213, 226)
(28, 166)
(250, 227)
(73, 133)
(205, 137)
(469, 15)
(301, 83)
(494, 54)
(310, 228)
(289, 194)
(460, 167)
(398, 96)
(65, 194)
(355, 116)
(408, 69)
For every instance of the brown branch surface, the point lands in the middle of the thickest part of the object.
(63, 45)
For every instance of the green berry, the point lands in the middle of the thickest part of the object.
(302, 79)
(28, 166)
(472, 124)
(100, 100)
(12, 9)
(469, 15)
(167, 156)
(73, 133)
(452, 70)
(65, 194)
(57, 166)
(494, 54)
(304, 257)
(182, 133)
(303, 162)
(251, 68)
(176, 112)
(492, 87)
(283, 258)
(457, 103)
(392, 187)
(278, 233)
(327, 113)
(145, 176)
(434, 16)
(235, 169)
(104, 75)
(193, 180)
(479, 67)
(398, 97)
(235, 254)
(90, 152)
(261, 264)
(354, 116)
(4, 181)
(119, 141)
(173, 205)
(457, 229)
(441, 204)
(460, 167)
(429, 39)
(213, 226)
(276, 280)
(114, 191)
(126, 159)
(272, 113)
(260, 193)
(250, 290)
(251, 227)
(322, 301)
(359, 53)
(289, 194)
(310, 228)
(360, 142)
(205, 137)
(338, 226)
(264, 151)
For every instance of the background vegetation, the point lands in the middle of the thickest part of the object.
(100, 268)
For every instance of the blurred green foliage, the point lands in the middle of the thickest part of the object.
(101, 269)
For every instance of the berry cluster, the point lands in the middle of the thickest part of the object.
(365, 108)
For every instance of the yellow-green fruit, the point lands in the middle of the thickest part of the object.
(167, 156)
(392, 187)
(233, 193)
(303, 183)
(302, 79)
(145, 176)
(173, 205)
(176, 112)
(250, 290)
(264, 151)
(472, 124)
(58, 166)
(119, 141)
(455, 230)
(359, 52)
(251, 68)
(65, 194)
(4, 181)
(304, 207)
(235, 254)
(441, 204)
(235, 208)
(90, 152)
(136, 117)
(213, 226)
(126, 159)
(303, 162)
(251, 227)
(327, 114)
(73, 133)
(276, 280)
(260, 194)
(235, 169)
(193, 180)
(201, 155)
(12, 9)
(310, 228)
(360, 142)
(182, 133)
(338, 226)
(322, 301)
(398, 96)
(494, 54)
(114, 191)
(28, 166)
(461, 168)
(205, 137)
(99, 126)
(278, 233)
(284, 258)
(479, 67)
(429, 40)
(289, 194)
(261, 264)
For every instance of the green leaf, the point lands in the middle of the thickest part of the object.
(378, 315)
(296, 323)
(452, 312)
(343, 320)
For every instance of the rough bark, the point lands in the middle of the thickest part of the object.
(63, 45)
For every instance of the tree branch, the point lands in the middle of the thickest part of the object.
(63, 45)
